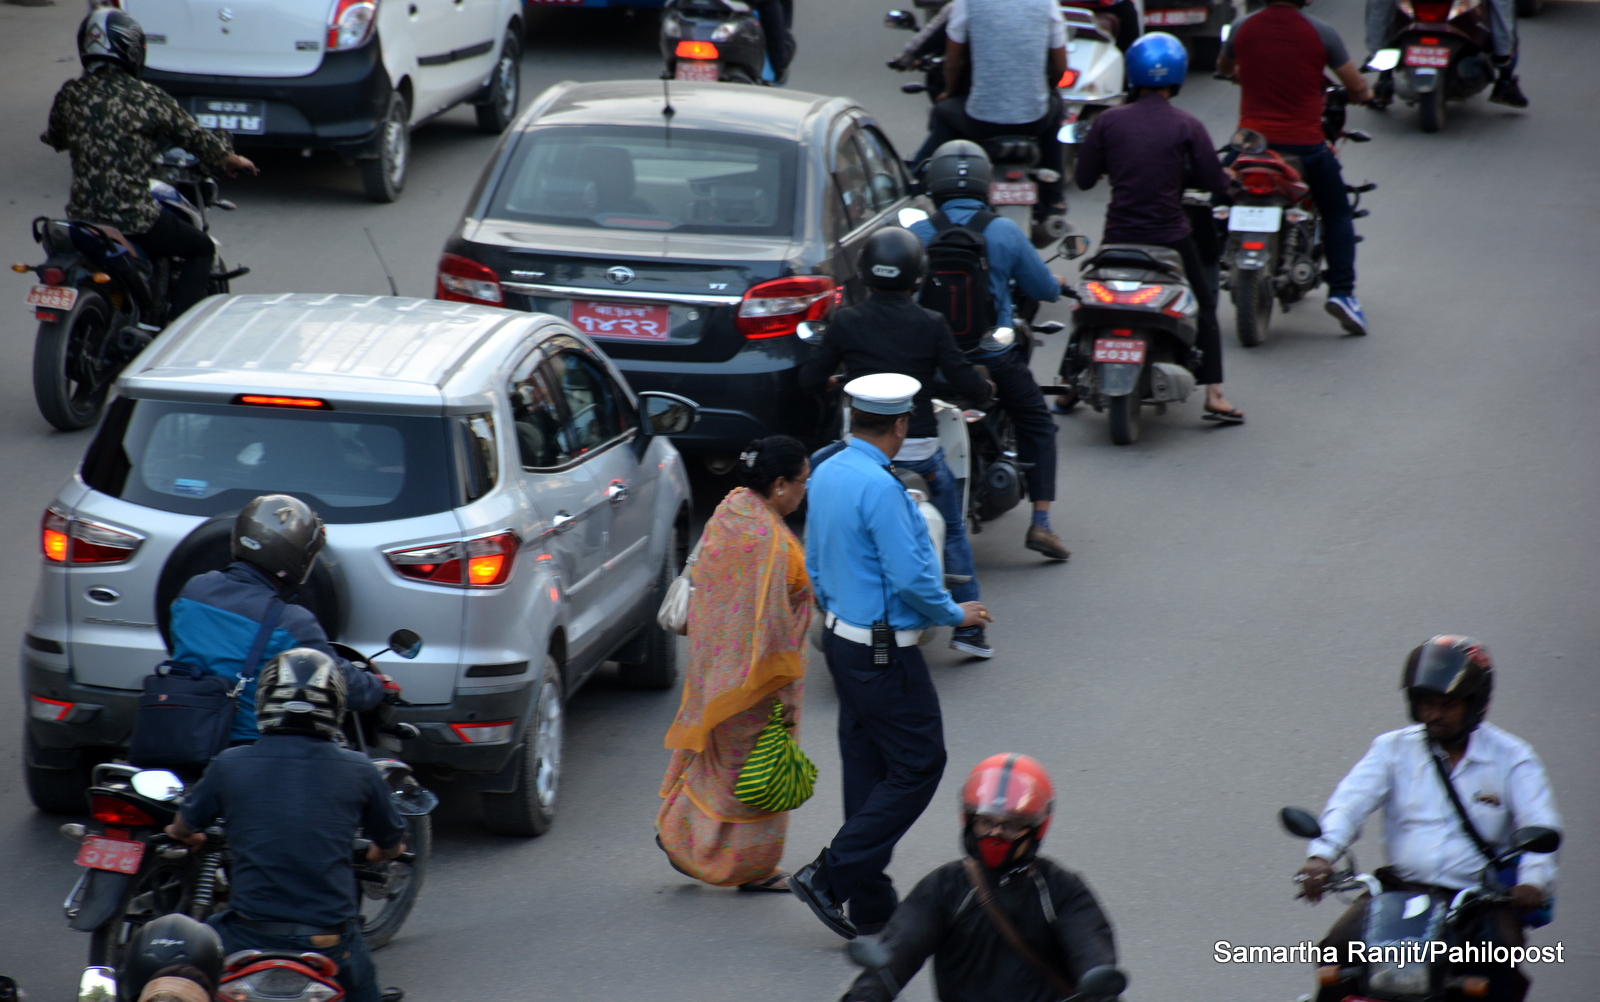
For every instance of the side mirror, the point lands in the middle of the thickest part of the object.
(1535, 839)
(867, 952)
(667, 413)
(406, 643)
(1383, 61)
(1248, 141)
(1102, 982)
(905, 217)
(98, 984)
(157, 784)
(1074, 246)
(1299, 822)
(901, 20)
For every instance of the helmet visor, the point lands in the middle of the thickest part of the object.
(1445, 669)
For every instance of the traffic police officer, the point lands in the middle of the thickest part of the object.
(877, 580)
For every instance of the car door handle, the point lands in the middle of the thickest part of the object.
(617, 492)
(562, 521)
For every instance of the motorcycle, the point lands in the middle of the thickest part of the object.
(1097, 984)
(1441, 51)
(247, 976)
(1411, 922)
(712, 40)
(100, 300)
(1274, 249)
(1095, 76)
(133, 872)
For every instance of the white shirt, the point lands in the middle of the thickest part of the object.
(1500, 781)
(1007, 44)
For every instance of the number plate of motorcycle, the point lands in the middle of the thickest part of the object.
(1013, 193)
(1255, 218)
(114, 854)
(1187, 15)
(56, 297)
(1437, 56)
(702, 70)
(622, 321)
(1119, 349)
(245, 117)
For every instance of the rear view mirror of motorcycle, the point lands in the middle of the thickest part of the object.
(157, 784)
(1248, 141)
(903, 20)
(1101, 983)
(1382, 61)
(1074, 246)
(906, 217)
(1535, 839)
(406, 643)
(1299, 822)
(98, 984)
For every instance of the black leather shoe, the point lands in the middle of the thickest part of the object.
(1507, 92)
(810, 885)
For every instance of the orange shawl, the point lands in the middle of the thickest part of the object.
(747, 625)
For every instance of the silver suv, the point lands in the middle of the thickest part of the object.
(487, 478)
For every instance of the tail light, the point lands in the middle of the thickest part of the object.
(485, 733)
(1143, 295)
(308, 978)
(52, 710)
(79, 541)
(120, 813)
(776, 308)
(1254, 245)
(52, 276)
(1259, 182)
(264, 400)
(482, 562)
(351, 24)
(695, 50)
(1068, 79)
(1432, 11)
(463, 280)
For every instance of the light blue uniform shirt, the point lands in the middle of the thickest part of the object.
(866, 541)
(1011, 258)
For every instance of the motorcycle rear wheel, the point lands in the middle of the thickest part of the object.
(1252, 306)
(159, 890)
(70, 374)
(393, 900)
(1430, 110)
(1122, 418)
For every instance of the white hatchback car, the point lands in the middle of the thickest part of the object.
(487, 478)
(351, 76)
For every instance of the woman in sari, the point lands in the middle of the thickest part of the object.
(747, 625)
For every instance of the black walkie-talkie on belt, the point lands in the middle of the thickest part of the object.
(882, 641)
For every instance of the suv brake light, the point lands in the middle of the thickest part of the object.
(776, 308)
(351, 24)
(463, 280)
(79, 541)
(488, 561)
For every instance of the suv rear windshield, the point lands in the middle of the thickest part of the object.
(678, 180)
(211, 459)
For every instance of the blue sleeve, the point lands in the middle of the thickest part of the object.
(380, 821)
(362, 691)
(1025, 267)
(202, 806)
(896, 527)
(924, 231)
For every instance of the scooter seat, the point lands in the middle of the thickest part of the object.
(1136, 263)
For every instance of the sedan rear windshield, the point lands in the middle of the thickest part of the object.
(672, 180)
(209, 459)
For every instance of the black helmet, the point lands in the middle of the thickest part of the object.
(281, 535)
(893, 258)
(166, 941)
(300, 691)
(959, 167)
(1451, 666)
(110, 35)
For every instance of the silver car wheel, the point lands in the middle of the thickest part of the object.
(547, 725)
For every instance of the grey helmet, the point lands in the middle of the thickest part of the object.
(958, 168)
(280, 535)
(301, 690)
(111, 36)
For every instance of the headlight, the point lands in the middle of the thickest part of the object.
(1413, 979)
(727, 29)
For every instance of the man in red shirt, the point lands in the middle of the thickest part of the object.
(1277, 56)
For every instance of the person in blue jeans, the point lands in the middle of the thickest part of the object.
(889, 332)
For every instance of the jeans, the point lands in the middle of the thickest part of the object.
(357, 973)
(776, 16)
(1502, 26)
(173, 238)
(1321, 171)
(946, 496)
(1019, 394)
(949, 120)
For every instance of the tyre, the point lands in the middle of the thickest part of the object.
(1430, 110)
(159, 890)
(70, 371)
(530, 808)
(659, 669)
(499, 106)
(384, 177)
(1122, 418)
(1252, 306)
(385, 905)
(54, 791)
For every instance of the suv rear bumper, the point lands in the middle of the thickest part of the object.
(338, 107)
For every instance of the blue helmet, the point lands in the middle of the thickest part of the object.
(1157, 60)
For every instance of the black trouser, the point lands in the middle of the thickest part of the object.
(1208, 334)
(1128, 26)
(1500, 926)
(1018, 392)
(949, 120)
(171, 237)
(891, 751)
(776, 18)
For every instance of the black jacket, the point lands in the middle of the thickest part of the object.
(972, 962)
(891, 333)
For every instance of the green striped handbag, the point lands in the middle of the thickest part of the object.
(777, 776)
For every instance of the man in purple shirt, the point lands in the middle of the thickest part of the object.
(1151, 151)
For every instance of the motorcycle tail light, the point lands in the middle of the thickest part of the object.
(1069, 79)
(1258, 182)
(488, 561)
(281, 984)
(463, 280)
(111, 811)
(52, 710)
(695, 50)
(1144, 295)
(1432, 11)
(1254, 245)
(777, 308)
(351, 24)
(485, 733)
(52, 276)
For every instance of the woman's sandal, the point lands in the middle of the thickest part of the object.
(1235, 416)
(778, 883)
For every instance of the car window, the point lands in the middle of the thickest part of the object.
(851, 177)
(536, 415)
(593, 415)
(883, 172)
(478, 458)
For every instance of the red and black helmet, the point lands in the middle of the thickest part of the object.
(1007, 788)
(1451, 665)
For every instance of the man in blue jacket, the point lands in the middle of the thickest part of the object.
(216, 618)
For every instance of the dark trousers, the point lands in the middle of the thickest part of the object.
(1500, 926)
(1321, 172)
(891, 750)
(1018, 392)
(1208, 334)
(776, 18)
(949, 120)
(172, 237)
(357, 973)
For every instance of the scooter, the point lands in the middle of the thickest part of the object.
(247, 976)
(1441, 51)
(1407, 923)
(1094, 80)
(712, 40)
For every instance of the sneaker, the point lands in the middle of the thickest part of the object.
(971, 641)
(1347, 310)
(1507, 92)
(1042, 540)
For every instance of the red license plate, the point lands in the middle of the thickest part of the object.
(1437, 56)
(1185, 15)
(1013, 193)
(699, 70)
(114, 854)
(622, 322)
(58, 297)
(1119, 349)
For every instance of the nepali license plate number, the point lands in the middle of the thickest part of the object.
(1185, 15)
(1119, 349)
(247, 118)
(1013, 193)
(622, 321)
(1255, 218)
(114, 854)
(55, 297)
(699, 70)
(1436, 56)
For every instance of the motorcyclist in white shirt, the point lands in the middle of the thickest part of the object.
(1497, 776)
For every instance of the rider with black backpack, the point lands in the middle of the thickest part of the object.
(974, 259)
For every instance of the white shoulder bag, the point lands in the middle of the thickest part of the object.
(673, 616)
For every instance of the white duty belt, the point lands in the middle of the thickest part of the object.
(862, 635)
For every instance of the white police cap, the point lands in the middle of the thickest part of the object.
(882, 393)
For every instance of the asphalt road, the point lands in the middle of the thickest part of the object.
(1227, 637)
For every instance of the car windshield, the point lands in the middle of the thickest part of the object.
(209, 459)
(672, 180)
